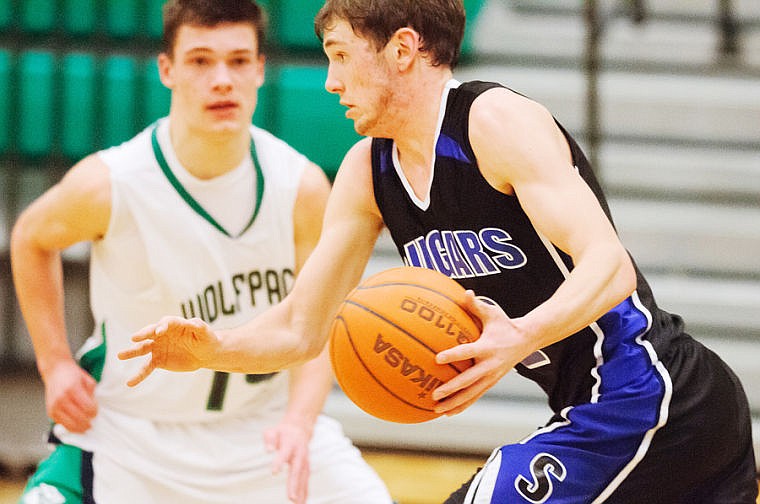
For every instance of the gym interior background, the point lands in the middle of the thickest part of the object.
(664, 97)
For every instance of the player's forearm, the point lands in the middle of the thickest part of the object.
(270, 342)
(38, 279)
(296, 330)
(601, 279)
(310, 385)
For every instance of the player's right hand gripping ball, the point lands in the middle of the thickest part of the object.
(385, 337)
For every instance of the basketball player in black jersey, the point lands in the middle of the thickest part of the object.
(481, 183)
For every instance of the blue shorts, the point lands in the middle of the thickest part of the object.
(679, 433)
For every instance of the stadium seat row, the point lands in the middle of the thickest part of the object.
(75, 103)
(68, 100)
(78, 18)
(291, 20)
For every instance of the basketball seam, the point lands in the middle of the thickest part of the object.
(393, 324)
(377, 380)
(423, 287)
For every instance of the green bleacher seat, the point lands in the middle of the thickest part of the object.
(6, 66)
(155, 95)
(78, 111)
(36, 102)
(123, 18)
(119, 98)
(80, 17)
(6, 14)
(311, 119)
(154, 19)
(292, 24)
(38, 16)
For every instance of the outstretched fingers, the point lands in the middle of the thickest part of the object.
(147, 332)
(139, 349)
(145, 337)
(144, 372)
(143, 345)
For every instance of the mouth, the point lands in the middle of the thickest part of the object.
(222, 106)
(349, 108)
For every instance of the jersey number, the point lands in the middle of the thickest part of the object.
(219, 387)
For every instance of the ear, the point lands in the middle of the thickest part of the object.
(261, 64)
(405, 46)
(165, 70)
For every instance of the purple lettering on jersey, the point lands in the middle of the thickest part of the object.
(464, 253)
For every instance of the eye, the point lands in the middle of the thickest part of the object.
(240, 61)
(199, 61)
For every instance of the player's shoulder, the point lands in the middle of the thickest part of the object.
(276, 156)
(355, 172)
(88, 175)
(498, 102)
(132, 154)
(357, 161)
(361, 151)
(266, 140)
(83, 192)
(505, 114)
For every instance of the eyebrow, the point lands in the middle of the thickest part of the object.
(203, 49)
(329, 42)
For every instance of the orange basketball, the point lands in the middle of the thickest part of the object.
(385, 337)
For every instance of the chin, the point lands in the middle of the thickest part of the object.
(364, 128)
(226, 127)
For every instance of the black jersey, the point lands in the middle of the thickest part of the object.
(482, 238)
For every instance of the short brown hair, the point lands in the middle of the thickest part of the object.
(209, 13)
(440, 23)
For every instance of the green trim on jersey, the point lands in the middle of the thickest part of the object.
(57, 477)
(192, 202)
(94, 359)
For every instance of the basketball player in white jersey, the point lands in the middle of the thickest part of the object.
(200, 215)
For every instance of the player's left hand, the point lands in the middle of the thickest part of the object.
(499, 348)
(291, 442)
(174, 343)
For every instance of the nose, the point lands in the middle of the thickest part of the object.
(222, 80)
(332, 84)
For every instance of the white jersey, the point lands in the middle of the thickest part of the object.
(165, 254)
(197, 438)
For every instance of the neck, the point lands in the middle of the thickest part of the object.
(415, 137)
(205, 155)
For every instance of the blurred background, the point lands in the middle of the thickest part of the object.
(664, 96)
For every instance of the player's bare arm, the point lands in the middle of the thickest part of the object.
(295, 330)
(310, 384)
(74, 210)
(561, 206)
(520, 150)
